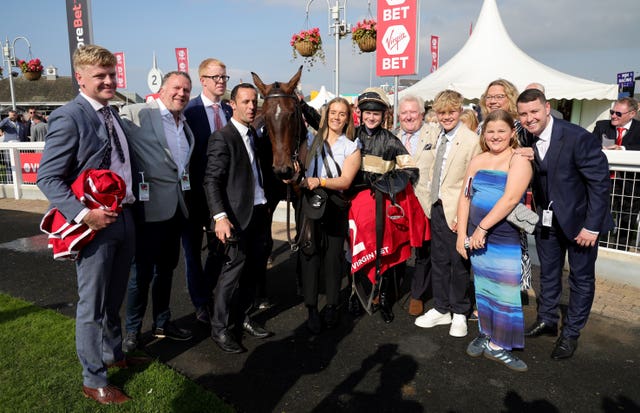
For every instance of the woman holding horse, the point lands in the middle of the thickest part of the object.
(332, 159)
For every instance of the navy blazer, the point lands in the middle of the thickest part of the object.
(76, 140)
(631, 140)
(578, 180)
(196, 116)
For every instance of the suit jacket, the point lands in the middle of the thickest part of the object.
(196, 116)
(13, 130)
(228, 181)
(464, 147)
(631, 140)
(423, 159)
(577, 180)
(143, 124)
(76, 140)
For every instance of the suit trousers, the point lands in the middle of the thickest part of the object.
(421, 279)
(449, 272)
(552, 246)
(244, 262)
(200, 279)
(102, 272)
(158, 251)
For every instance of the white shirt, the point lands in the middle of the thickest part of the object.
(176, 137)
(544, 140)
(449, 137)
(258, 195)
(340, 150)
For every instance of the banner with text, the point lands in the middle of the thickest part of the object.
(435, 54)
(121, 70)
(397, 52)
(30, 163)
(80, 29)
(182, 56)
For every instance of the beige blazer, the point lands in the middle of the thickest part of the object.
(464, 147)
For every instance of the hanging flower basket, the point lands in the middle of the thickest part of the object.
(364, 34)
(308, 44)
(305, 48)
(32, 75)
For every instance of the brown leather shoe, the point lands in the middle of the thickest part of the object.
(105, 395)
(416, 307)
(130, 361)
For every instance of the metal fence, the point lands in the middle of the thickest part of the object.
(18, 168)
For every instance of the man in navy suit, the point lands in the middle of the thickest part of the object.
(234, 184)
(571, 193)
(203, 114)
(78, 140)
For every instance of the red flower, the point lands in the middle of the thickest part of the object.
(33, 65)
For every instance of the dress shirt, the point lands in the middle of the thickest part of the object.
(626, 130)
(258, 197)
(176, 138)
(209, 110)
(413, 138)
(449, 137)
(544, 140)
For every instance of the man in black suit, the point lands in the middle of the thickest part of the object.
(234, 185)
(571, 193)
(205, 114)
(622, 132)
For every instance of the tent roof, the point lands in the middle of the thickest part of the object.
(321, 98)
(474, 67)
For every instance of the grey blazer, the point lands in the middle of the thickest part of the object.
(76, 140)
(143, 125)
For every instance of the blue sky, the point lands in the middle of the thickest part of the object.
(593, 39)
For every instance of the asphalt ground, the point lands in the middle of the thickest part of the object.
(363, 364)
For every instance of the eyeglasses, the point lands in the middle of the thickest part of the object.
(496, 97)
(618, 114)
(218, 78)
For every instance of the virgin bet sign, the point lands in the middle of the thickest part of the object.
(397, 37)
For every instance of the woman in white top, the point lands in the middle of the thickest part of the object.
(332, 159)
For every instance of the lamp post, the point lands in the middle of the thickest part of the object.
(8, 53)
(337, 27)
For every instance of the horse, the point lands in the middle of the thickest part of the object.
(284, 123)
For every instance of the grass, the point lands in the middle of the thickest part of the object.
(39, 371)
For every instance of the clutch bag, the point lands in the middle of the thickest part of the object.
(523, 218)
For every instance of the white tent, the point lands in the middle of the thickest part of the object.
(474, 67)
(321, 98)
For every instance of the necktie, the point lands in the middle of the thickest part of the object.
(252, 139)
(619, 137)
(437, 170)
(111, 132)
(407, 141)
(217, 120)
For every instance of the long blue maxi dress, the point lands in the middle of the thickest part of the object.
(497, 267)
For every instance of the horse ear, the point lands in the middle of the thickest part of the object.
(294, 81)
(259, 84)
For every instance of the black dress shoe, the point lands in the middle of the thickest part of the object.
(227, 343)
(330, 316)
(254, 330)
(565, 347)
(540, 328)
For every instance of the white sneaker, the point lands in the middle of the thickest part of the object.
(433, 318)
(458, 326)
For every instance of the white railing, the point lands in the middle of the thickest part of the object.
(18, 169)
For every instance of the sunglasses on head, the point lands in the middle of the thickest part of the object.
(618, 114)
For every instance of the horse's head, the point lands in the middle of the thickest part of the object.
(284, 122)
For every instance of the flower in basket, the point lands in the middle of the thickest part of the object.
(364, 34)
(32, 65)
(308, 44)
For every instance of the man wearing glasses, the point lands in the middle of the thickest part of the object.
(205, 114)
(622, 129)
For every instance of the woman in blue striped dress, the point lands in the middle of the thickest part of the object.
(496, 181)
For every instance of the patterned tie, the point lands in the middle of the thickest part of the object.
(252, 139)
(437, 170)
(407, 141)
(111, 132)
(619, 137)
(217, 121)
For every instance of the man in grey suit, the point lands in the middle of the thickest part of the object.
(162, 143)
(78, 139)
